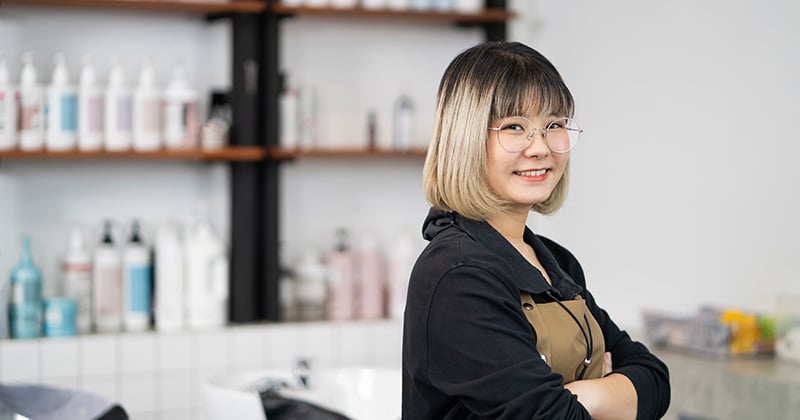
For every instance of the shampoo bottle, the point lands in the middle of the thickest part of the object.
(181, 122)
(403, 111)
(62, 109)
(9, 105)
(147, 112)
(169, 279)
(371, 277)
(25, 309)
(137, 273)
(341, 280)
(76, 271)
(91, 104)
(107, 287)
(118, 112)
(31, 111)
(206, 278)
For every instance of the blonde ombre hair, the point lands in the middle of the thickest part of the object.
(487, 82)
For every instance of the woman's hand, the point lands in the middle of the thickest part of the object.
(610, 397)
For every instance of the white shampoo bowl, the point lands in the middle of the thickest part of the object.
(360, 393)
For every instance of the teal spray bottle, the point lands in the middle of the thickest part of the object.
(25, 309)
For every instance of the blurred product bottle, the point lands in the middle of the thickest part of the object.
(25, 309)
(9, 107)
(147, 112)
(169, 279)
(215, 131)
(181, 120)
(107, 287)
(137, 275)
(290, 118)
(76, 271)
(341, 280)
(91, 108)
(60, 317)
(206, 278)
(307, 111)
(119, 110)
(62, 109)
(371, 280)
(31, 111)
(310, 288)
(403, 112)
(402, 255)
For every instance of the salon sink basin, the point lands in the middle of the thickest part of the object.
(360, 393)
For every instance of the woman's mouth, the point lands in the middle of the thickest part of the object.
(534, 173)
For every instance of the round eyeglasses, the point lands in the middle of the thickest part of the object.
(515, 134)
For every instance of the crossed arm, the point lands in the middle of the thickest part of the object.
(611, 397)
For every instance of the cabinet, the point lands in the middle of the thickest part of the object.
(254, 156)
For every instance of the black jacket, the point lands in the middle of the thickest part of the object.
(468, 350)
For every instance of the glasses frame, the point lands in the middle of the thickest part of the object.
(532, 135)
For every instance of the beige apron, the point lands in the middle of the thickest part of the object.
(559, 339)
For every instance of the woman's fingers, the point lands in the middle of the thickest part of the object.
(607, 366)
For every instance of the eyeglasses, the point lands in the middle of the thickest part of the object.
(515, 134)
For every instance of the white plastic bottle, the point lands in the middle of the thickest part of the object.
(118, 111)
(107, 284)
(137, 274)
(181, 121)
(76, 271)
(31, 107)
(91, 108)
(206, 279)
(310, 288)
(169, 279)
(403, 112)
(147, 112)
(340, 303)
(290, 118)
(401, 257)
(371, 280)
(62, 109)
(9, 105)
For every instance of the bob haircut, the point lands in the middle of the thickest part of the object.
(486, 82)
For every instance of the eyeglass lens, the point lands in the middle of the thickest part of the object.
(516, 133)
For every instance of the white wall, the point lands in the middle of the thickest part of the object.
(684, 186)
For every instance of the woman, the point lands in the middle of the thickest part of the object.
(498, 322)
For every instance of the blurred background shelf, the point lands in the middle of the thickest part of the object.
(279, 153)
(484, 16)
(203, 7)
(232, 154)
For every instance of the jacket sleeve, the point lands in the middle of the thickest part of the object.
(650, 376)
(480, 350)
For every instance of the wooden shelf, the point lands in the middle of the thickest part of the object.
(238, 154)
(484, 16)
(279, 153)
(193, 6)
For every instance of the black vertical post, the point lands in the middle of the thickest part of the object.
(246, 183)
(270, 191)
(495, 31)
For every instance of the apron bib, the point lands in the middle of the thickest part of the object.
(559, 339)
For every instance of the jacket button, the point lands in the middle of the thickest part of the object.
(527, 306)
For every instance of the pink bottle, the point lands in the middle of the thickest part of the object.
(340, 303)
(371, 280)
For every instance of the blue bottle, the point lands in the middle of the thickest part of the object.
(25, 309)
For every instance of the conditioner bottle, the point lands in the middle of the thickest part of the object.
(62, 109)
(341, 280)
(169, 279)
(118, 111)
(9, 105)
(206, 278)
(91, 106)
(107, 287)
(76, 271)
(181, 121)
(31, 112)
(147, 112)
(137, 272)
(371, 278)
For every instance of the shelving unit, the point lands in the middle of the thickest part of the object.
(254, 156)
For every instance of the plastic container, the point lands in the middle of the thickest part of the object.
(60, 317)
(147, 112)
(31, 107)
(371, 280)
(310, 288)
(137, 275)
(169, 279)
(206, 278)
(76, 272)
(107, 284)
(91, 108)
(118, 111)
(341, 303)
(403, 114)
(181, 121)
(9, 105)
(25, 309)
(290, 118)
(62, 109)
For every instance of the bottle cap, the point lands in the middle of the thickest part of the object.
(28, 76)
(60, 72)
(88, 76)
(147, 76)
(117, 75)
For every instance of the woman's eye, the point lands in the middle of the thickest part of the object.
(556, 125)
(515, 127)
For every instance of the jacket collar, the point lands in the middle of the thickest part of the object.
(525, 276)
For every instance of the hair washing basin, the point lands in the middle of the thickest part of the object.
(360, 393)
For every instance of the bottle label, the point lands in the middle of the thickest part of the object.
(30, 118)
(124, 111)
(94, 116)
(139, 289)
(150, 116)
(108, 292)
(69, 112)
(26, 293)
(3, 104)
(175, 127)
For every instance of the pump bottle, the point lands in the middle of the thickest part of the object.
(90, 109)
(147, 112)
(371, 280)
(31, 112)
(62, 109)
(137, 280)
(206, 278)
(107, 287)
(341, 281)
(9, 103)
(119, 111)
(76, 271)
(26, 305)
(169, 279)
(181, 126)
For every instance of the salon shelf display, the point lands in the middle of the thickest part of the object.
(279, 153)
(192, 6)
(483, 16)
(233, 154)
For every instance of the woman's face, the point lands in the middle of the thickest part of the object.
(527, 177)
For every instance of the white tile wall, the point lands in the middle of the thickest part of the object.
(160, 375)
